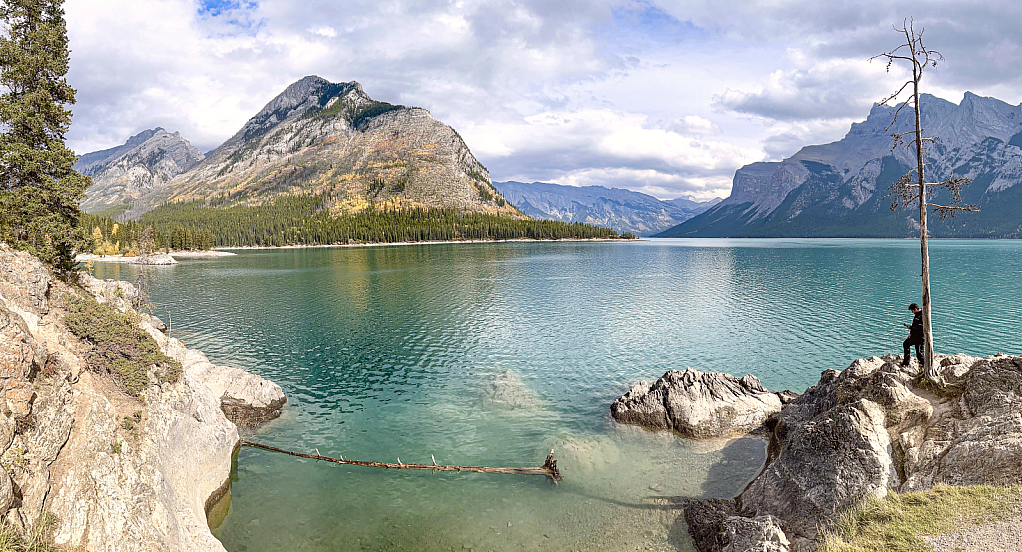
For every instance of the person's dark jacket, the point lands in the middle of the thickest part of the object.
(917, 325)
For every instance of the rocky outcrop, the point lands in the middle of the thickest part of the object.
(873, 429)
(155, 259)
(113, 471)
(699, 404)
(245, 398)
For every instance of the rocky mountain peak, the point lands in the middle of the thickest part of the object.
(325, 137)
(129, 171)
(838, 189)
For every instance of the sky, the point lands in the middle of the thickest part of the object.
(665, 98)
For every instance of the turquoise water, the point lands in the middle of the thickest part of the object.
(390, 352)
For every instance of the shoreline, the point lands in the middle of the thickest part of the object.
(406, 243)
(226, 251)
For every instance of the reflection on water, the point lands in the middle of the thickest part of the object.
(494, 354)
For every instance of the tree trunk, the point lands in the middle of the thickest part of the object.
(928, 367)
(549, 468)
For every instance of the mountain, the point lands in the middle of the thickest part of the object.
(839, 189)
(333, 140)
(622, 210)
(147, 161)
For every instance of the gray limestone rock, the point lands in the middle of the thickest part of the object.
(155, 259)
(873, 429)
(755, 534)
(6, 492)
(24, 284)
(698, 404)
(506, 390)
(245, 398)
(825, 466)
(116, 472)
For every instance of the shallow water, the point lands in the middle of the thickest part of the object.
(391, 352)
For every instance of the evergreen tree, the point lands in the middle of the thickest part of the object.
(39, 191)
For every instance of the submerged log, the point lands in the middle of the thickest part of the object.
(549, 468)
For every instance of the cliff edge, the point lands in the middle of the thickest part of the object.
(116, 435)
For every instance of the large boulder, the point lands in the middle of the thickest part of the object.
(716, 527)
(825, 466)
(875, 428)
(698, 404)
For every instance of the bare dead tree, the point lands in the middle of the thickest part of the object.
(912, 189)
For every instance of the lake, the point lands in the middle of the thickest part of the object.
(388, 352)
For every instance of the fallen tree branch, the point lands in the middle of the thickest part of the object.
(549, 468)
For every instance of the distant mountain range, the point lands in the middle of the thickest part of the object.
(147, 161)
(839, 189)
(315, 138)
(622, 210)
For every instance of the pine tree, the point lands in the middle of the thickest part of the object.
(39, 191)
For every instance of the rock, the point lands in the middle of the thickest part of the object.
(66, 448)
(154, 322)
(582, 454)
(825, 466)
(698, 404)
(872, 429)
(53, 416)
(151, 493)
(705, 519)
(6, 433)
(506, 390)
(6, 492)
(246, 399)
(155, 259)
(110, 292)
(24, 282)
(18, 397)
(20, 353)
(757, 534)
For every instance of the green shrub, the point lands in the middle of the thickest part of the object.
(119, 346)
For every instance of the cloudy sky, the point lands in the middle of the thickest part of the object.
(667, 98)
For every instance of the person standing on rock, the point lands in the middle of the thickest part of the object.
(915, 336)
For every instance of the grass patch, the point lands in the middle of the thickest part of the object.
(37, 539)
(897, 523)
(119, 346)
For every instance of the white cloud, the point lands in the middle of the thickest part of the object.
(670, 97)
(609, 147)
(325, 30)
